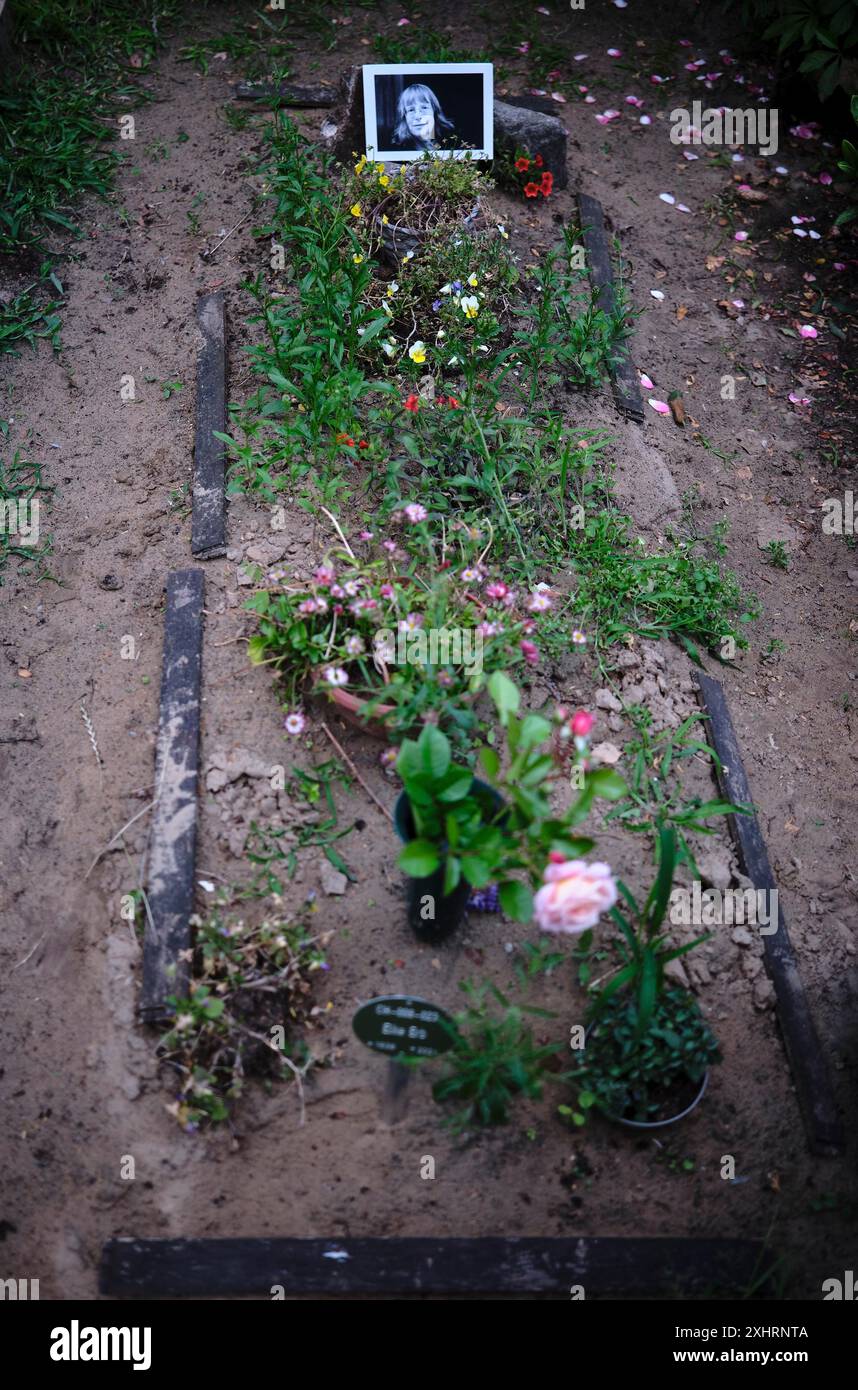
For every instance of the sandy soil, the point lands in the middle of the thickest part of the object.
(80, 1082)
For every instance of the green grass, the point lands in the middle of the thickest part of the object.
(70, 75)
(30, 316)
(52, 135)
(21, 487)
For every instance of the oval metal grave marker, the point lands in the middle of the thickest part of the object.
(400, 1025)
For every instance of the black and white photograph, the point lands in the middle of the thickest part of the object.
(444, 109)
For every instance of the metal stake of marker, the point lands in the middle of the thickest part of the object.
(396, 1095)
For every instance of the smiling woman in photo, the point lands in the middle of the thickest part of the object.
(420, 123)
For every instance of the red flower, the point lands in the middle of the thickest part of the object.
(345, 439)
(411, 402)
(581, 723)
(547, 183)
(538, 161)
(522, 165)
(453, 403)
(531, 190)
(363, 444)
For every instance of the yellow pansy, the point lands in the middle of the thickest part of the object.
(358, 260)
(473, 281)
(355, 209)
(417, 352)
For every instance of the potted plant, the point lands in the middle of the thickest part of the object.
(462, 833)
(648, 1048)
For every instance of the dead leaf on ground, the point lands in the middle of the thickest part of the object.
(677, 408)
(682, 311)
(714, 262)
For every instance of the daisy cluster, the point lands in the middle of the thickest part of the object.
(336, 631)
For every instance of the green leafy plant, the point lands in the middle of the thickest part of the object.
(644, 1035)
(776, 553)
(655, 796)
(821, 34)
(849, 164)
(484, 837)
(248, 980)
(629, 1072)
(494, 1059)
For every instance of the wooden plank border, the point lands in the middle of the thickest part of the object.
(172, 845)
(208, 524)
(286, 93)
(133, 1268)
(627, 390)
(807, 1063)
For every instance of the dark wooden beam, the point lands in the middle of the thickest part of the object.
(286, 93)
(808, 1065)
(172, 845)
(208, 524)
(487, 1265)
(627, 389)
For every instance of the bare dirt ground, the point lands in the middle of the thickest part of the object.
(80, 1083)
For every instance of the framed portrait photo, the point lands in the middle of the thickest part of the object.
(444, 109)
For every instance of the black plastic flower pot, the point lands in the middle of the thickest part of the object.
(432, 914)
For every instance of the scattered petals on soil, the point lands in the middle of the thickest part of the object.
(645, 382)
(806, 330)
(657, 294)
(667, 198)
(661, 407)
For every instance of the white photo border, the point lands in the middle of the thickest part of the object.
(372, 70)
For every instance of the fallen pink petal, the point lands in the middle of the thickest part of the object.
(660, 407)
(645, 382)
(807, 330)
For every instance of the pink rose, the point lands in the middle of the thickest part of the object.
(574, 896)
(581, 723)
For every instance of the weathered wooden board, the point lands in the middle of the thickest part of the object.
(286, 93)
(172, 846)
(627, 390)
(489, 1265)
(208, 524)
(809, 1069)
